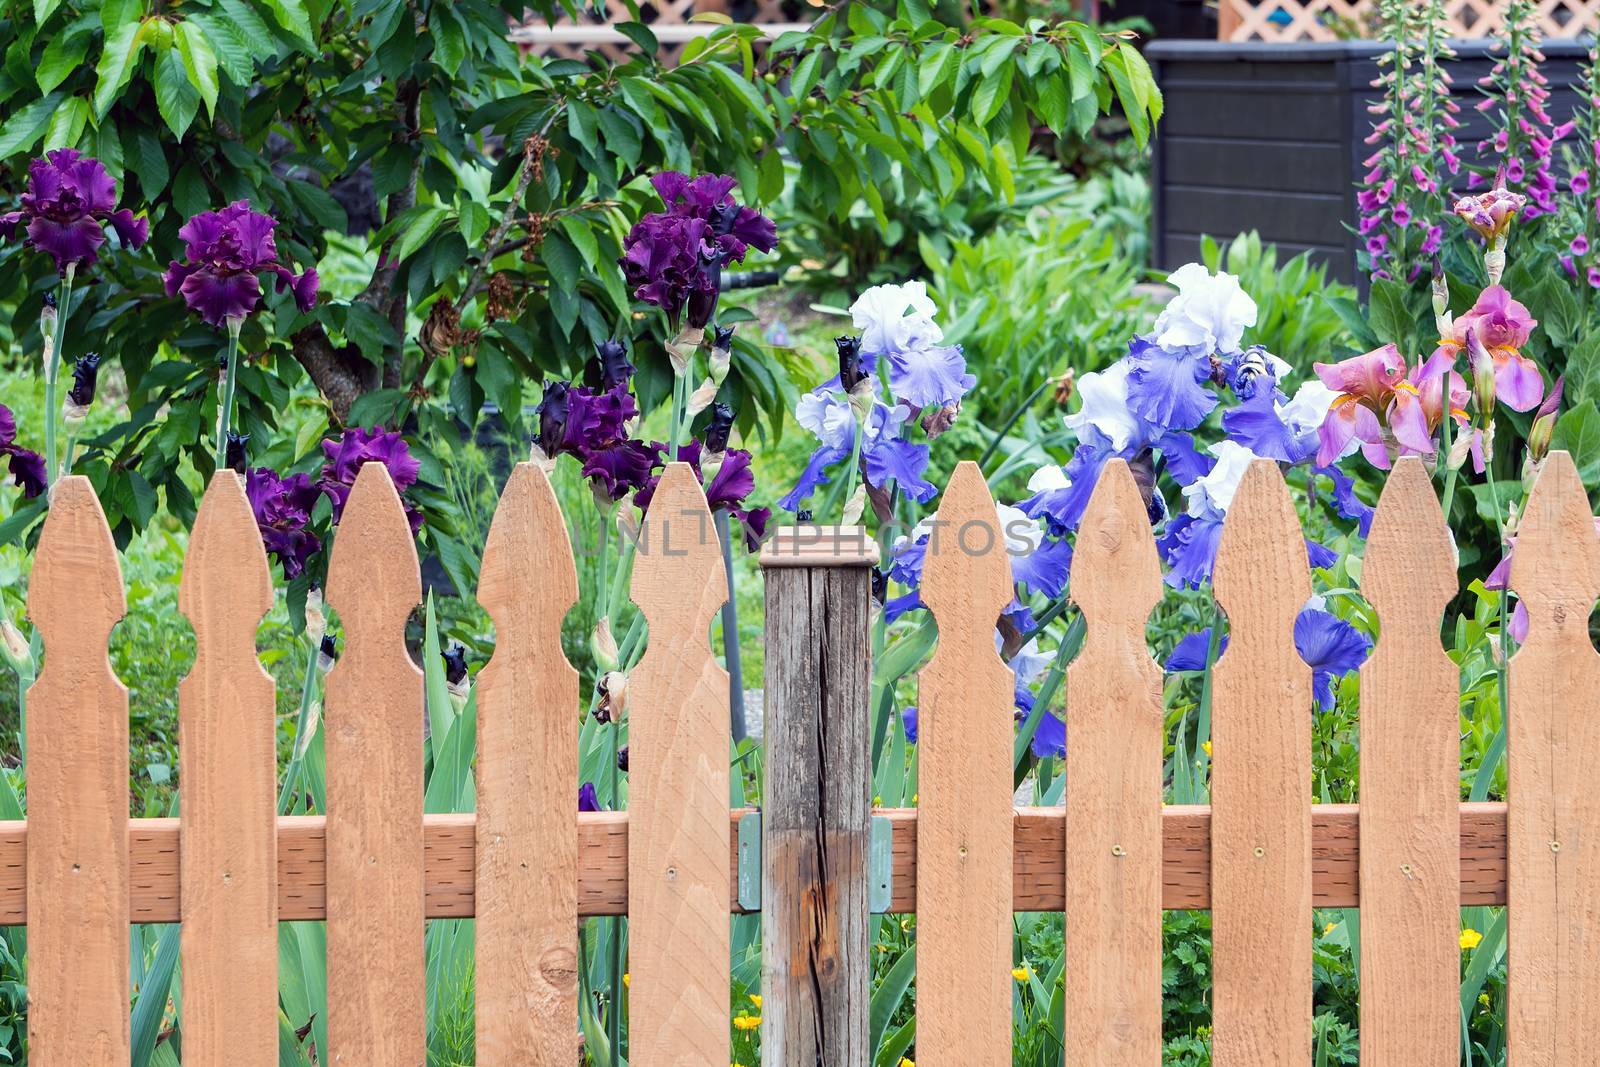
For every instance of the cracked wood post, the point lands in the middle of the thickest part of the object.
(817, 823)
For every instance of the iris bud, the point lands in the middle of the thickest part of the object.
(603, 646)
(15, 647)
(237, 455)
(719, 428)
(615, 368)
(1482, 365)
(1544, 422)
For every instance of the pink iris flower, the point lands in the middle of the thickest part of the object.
(1384, 407)
(1504, 326)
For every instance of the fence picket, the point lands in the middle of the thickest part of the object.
(227, 750)
(964, 817)
(1115, 720)
(526, 981)
(373, 734)
(77, 795)
(678, 880)
(1410, 786)
(1261, 785)
(1553, 860)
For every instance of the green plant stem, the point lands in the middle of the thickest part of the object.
(52, 373)
(291, 774)
(680, 401)
(230, 383)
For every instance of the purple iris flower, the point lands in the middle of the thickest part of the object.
(731, 482)
(908, 718)
(1256, 424)
(226, 250)
(615, 368)
(620, 467)
(1331, 647)
(70, 197)
(1167, 387)
(674, 258)
(1345, 501)
(1061, 499)
(588, 799)
(1049, 734)
(357, 447)
(1182, 460)
(282, 508)
(27, 467)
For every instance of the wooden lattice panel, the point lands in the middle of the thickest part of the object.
(669, 19)
(1327, 20)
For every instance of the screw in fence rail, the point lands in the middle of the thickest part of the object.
(77, 867)
(817, 814)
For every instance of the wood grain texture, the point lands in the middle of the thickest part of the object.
(228, 757)
(373, 731)
(817, 819)
(526, 981)
(1553, 828)
(1115, 723)
(77, 852)
(679, 941)
(1410, 787)
(964, 834)
(1038, 868)
(1261, 785)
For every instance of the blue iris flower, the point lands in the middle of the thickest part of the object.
(1331, 647)
(1167, 387)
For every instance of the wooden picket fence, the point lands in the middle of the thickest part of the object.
(1260, 857)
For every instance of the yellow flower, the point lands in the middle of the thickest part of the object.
(747, 1022)
(1207, 746)
(914, 797)
(877, 802)
(755, 998)
(905, 1061)
(624, 979)
(1330, 928)
(1483, 998)
(1021, 974)
(1470, 939)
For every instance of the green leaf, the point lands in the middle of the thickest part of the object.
(1386, 307)
(578, 230)
(747, 93)
(886, 998)
(43, 9)
(641, 35)
(24, 128)
(319, 204)
(1578, 432)
(151, 1006)
(421, 227)
(1583, 370)
(117, 60)
(449, 38)
(64, 53)
(114, 13)
(66, 124)
(176, 98)
(199, 61)
(292, 16)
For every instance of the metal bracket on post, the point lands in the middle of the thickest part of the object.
(880, 863)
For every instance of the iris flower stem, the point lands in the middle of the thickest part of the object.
(230, 384)
(52, 373)
(680, 402)
(1213, 650)
(291, 774)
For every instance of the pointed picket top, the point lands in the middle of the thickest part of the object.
(227, 747)
(1553, 864)
(1261, 784)
(373, 577)
(679, 942)
(1255, 573)
(1410, 785)
(1409, 571)
(967, 571)
(677, 545)
(527, 842)
(75, 594)
(77, 850)
(372, 723)
(964, 817)
(1116, 574)
(1113, 794)
(1556, 567)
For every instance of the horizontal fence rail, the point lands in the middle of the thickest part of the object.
(965, 859)
(1038, 862)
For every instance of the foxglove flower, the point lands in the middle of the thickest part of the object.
(226, 250)
(354, 449)
(69, 200)
(282, 508)
(27, 467)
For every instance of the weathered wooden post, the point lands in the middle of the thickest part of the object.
(817, 823)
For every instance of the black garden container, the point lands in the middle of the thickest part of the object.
(1269, 137)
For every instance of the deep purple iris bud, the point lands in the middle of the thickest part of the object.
(69, 200)
(803, 515)
(615, 368)
(50, 301)
(718, 428)
(226, 252)
(327, 652)
(282, 508)
(622, 759)
(455, 664)
(851, 373)
(588, 799)
(722, 338)
(238, 452)
(85, 375)
(552, 413)
(707, 288)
